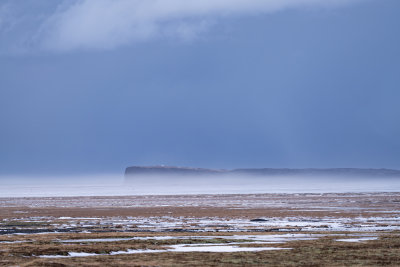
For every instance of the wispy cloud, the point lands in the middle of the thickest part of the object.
(6, 19)
(106, 24)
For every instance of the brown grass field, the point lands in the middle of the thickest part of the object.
(150, 230)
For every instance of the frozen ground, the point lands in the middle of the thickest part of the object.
(355, 212)
(174, 248)
(47, 230)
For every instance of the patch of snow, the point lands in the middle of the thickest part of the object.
(218, 248)
(175, 248)
(71, 255)
(275, 238)
(357, 239)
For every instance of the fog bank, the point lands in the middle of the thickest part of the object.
(115, 185)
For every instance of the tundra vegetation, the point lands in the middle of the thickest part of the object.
(202, 230)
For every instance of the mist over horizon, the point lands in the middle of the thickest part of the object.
(199, 133)
(74, 174)
(202, 181)
(117, 185)
(249, 84)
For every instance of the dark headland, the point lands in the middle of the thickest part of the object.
(160, 171)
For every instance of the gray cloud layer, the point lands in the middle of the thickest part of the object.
(106, 24)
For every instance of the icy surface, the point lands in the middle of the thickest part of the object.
(218, 248)
(174, 248)
(70, 255)
(202, 224)
(357, 239)
(231, 247)
(271, 238)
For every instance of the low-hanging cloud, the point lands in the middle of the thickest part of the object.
(106, 24)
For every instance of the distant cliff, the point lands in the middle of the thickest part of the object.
(264, 172)
(169, 170)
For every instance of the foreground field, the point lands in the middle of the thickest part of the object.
(202, 230)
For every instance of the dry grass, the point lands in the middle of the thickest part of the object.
(322, 252)
(204, 205)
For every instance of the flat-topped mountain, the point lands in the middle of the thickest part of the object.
(262, 172)
(169, 170)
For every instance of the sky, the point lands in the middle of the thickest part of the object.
(94, 86)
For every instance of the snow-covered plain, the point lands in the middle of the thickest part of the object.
(361, 212)
(203, 225)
